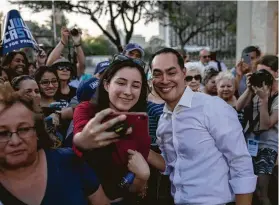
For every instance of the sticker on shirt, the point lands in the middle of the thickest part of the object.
(253, 146)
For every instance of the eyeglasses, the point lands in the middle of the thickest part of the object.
(190, 78)
(63, 68)
(22, 133)
(206, 56)
(125, 58)
(54, 82)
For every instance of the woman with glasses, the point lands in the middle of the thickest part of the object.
(122, 88)
(30, 172)
(49, 85)
(65, 72)
(193, 78)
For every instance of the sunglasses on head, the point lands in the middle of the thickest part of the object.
(125, 58)
(47, 82)
(63, 68)
(190, 78)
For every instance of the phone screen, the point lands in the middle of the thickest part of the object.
(246, 59)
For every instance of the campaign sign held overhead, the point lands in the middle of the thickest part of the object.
(16, 34)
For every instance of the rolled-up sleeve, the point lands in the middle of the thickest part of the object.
(224, 126)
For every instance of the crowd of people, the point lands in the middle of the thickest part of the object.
(65, 138)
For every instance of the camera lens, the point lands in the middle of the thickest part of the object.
(74, 32)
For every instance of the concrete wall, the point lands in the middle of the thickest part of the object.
(256, 25)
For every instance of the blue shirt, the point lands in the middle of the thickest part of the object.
(205, 151)
(242, 84)
(154, 112)
(69, 179)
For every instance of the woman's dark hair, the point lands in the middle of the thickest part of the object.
(9, 97)
(9, 58)
(17, 80)
(269, 61)
(7, 72)
(208, 74)
(41, 71)
(102, 100)
(180, 60)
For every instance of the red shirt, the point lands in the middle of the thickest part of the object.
(114, 157)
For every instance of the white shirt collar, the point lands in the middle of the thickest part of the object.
(185, 100)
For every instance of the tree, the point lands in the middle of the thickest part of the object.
(130, 12)
(190, 18)
(98, 46)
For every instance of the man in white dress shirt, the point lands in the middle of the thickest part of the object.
(203, 148)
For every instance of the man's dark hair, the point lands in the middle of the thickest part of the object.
(269, 61)
(180, 60)
(250, 49)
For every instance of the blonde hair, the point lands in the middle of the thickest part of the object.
(224, 75)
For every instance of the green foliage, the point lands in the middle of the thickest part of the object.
(98, 46)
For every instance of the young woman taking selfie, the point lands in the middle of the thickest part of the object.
(122, 89)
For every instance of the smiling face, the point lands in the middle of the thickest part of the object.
(225, 89)
(124, 89)
(64, 73)
(168, 78)
(193, 79)
(31, 89)
(18, 64)
(48, 84)
(19, 150)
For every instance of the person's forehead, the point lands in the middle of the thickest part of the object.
(17, 112)
(48, 75)
(128, 73)
(204, 52)
(165, 61)
(17, 56)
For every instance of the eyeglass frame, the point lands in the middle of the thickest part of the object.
(10, 134)
(49, 81)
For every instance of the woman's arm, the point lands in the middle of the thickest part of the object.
(99, 197)
(56, 53)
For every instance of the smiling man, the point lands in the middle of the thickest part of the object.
(203, 148)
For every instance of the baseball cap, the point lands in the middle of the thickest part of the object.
(87, 89)
(134, 46)
(101, 67)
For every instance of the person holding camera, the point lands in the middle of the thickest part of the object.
(75, 35)
(260, 101)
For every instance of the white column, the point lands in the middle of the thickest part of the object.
(256, 25)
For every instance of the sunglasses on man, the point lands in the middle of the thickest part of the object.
(190, 78)
(125, 58)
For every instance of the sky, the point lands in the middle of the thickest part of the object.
(82, 21)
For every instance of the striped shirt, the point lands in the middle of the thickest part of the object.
(154, 112)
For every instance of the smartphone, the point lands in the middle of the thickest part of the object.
(137, 120)
(246, 58)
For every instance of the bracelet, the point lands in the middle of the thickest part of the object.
(77, 45)
(143, 193)
(62, 43)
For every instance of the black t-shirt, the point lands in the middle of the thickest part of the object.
(67, 97)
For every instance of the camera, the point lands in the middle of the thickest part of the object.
(74, 32)
(261, 76)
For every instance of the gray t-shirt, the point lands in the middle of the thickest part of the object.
(269, 138)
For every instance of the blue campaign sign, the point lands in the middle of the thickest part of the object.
(16, 34)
